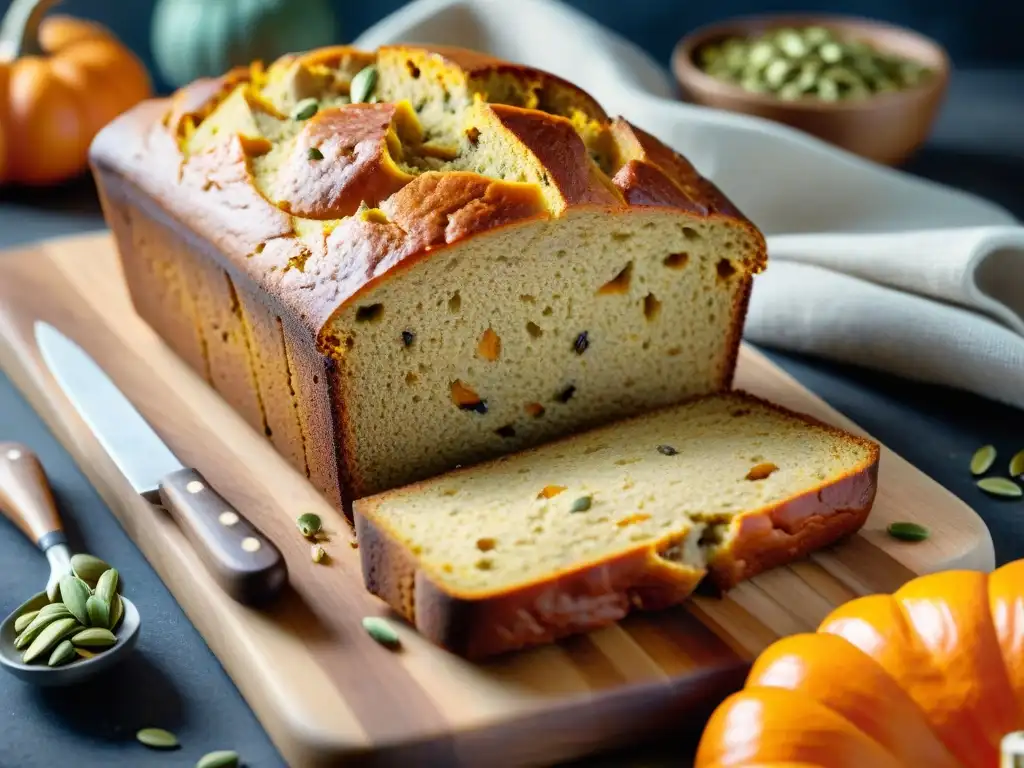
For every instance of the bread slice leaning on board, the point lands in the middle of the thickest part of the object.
(478, 261)
(573, 535)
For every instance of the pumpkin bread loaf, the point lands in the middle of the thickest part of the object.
(573, 535)
(396, 262)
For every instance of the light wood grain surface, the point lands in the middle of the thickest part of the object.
(328, 694)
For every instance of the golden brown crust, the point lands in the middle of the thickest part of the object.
(597, 594)
(649, 173)
(354, 164)
(784, 532)
(214, 193)
(336, 56)
(549, 92)
(739, 312)
(199, 98)
(463, 58)
(584, 599)
(555, 143)
(780, 533)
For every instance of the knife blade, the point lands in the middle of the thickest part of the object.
(241, 559)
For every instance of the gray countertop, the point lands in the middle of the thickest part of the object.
(173, 681)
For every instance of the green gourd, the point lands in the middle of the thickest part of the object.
(206, 38)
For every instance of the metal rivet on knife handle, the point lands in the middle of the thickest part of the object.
(245, 563)
(158, 475)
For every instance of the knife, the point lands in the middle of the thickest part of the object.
(241, 559)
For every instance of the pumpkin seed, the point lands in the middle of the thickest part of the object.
(88, 568)
(49, 637)
(363, 83)
(83, 653)
(116, 612)
(788, 63)
(908, 531)
(222, 758)
(983, 459)
(314, 154)
(157, 738)
(582, 504)
(74, 593)
(106, 587)
(54, 608)
(305, 109)
(309, 524)
(1017, 465)
(94, 637)
(39, 623)
(381, 631)
(1001, 486)
(99, 612)
(22, 622)
(62, 654)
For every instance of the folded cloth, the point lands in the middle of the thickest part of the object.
(867, 265)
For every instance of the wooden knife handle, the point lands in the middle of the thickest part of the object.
(25, 496)
(242, 560)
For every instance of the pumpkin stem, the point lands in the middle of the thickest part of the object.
(19, 30)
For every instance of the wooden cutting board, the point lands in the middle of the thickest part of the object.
(323, 690)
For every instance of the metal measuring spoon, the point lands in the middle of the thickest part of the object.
(26, 500)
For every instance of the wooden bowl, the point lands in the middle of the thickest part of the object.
(886, 128)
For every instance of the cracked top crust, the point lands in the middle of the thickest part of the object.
(315, 205)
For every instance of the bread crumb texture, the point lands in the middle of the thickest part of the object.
(485, 258)
(672, 482)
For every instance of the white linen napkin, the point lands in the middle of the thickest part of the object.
(867, 265)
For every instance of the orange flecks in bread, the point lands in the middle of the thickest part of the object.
(255, 146)
(489, 347)
(618, 284)
(463, 395)
(536, 410)
(639, 517)
(550, 491)
(761, 471)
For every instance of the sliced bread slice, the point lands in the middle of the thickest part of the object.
(572, 535)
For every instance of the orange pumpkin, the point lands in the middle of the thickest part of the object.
(61, 80)
(931, 675)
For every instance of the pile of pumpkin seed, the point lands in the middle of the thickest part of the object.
(80, 619)
(809, 63)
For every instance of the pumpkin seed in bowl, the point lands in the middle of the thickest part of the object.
(809, 63)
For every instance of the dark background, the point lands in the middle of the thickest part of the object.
(977, 33)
